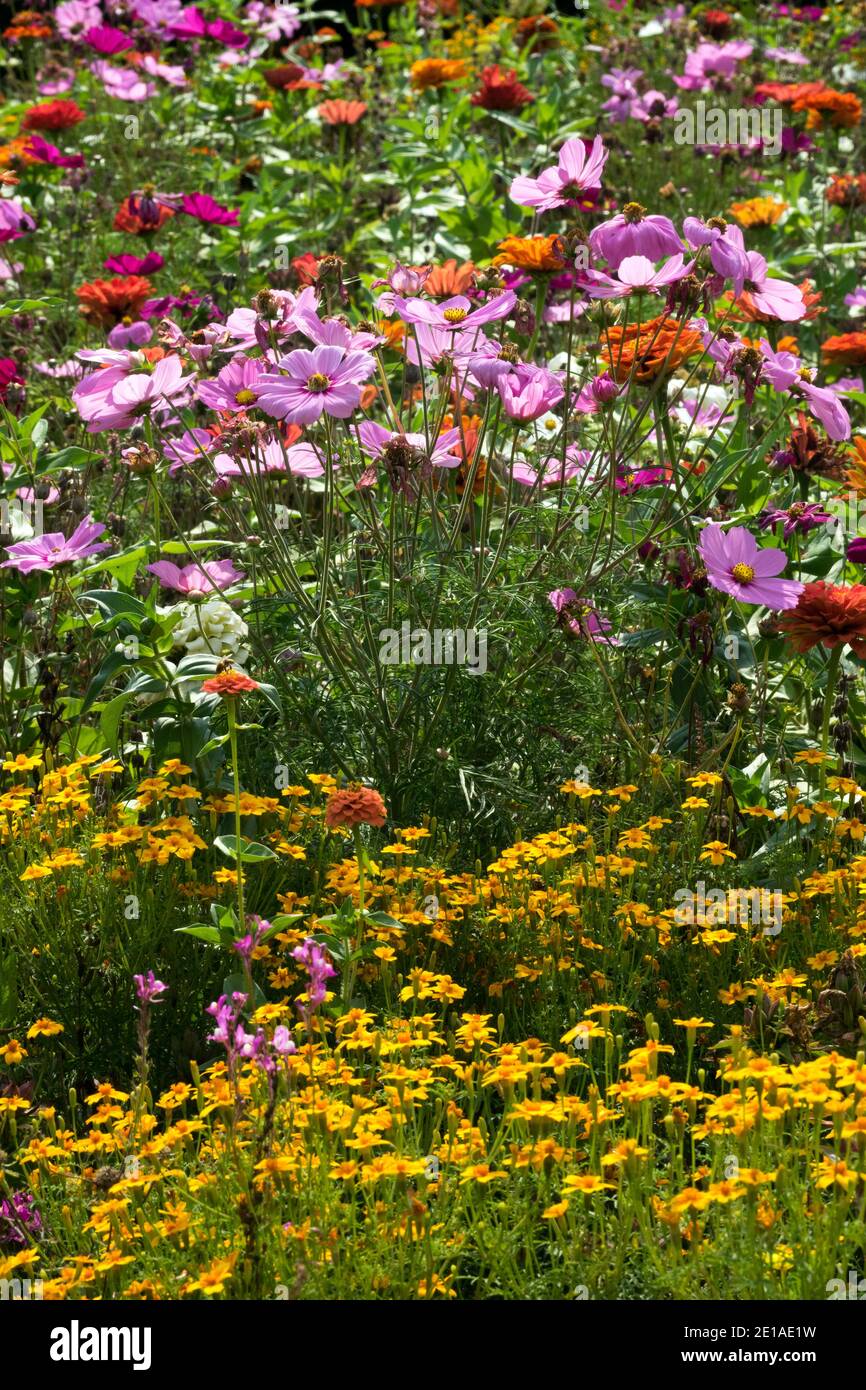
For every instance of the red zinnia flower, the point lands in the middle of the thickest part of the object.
(306, 268)
(342, 112)
(53, 115)
(717, 23)
(353, 806)
(501, 91)
(229, 684)
(830, 614)
(847, 190)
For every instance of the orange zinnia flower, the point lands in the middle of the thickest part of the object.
(436, 72)
(539, 30)
(351, 806)
(126, 221)
(829, 614)
(448, 279)
(229, 684)
(856, 475)
(531, 252)
(649, 349)
(847, 190)
(53, 115)
(758, 212)
(845, 350)
(342, 112)
(108, 301)
(839, 108)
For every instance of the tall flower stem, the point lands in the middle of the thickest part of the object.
(349, 972)
(231, 714)
(829, 693)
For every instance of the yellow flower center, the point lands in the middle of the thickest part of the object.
(744, 574)
(454, 315)
(318, 382)
(245, 396)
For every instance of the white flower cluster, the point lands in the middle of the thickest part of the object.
(212, 626)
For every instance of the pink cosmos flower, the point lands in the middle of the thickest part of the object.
(375, 439)
(621, 82)
(775, 298)
(578, 171)
(107, 40)
(456, 313)
(711, 60)
(52, 549)
(233, 388)
(115, 398)
(308, 384)
(46, 153)
(14, 221)
(74, 17)
(125, 335)
(529, 391)
(785, 372)
(551, 472)
(634, 274)
(653, 106)
(580, 618)
(727, 255)
(122, 83)
(205, 209)
(195, 580)
(633, 233)
(302, 460)
(187, 448)
(736, 565)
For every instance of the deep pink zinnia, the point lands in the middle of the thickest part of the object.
(107, 40)
(53, 549)
(45, 153)
(205, 209)
(736, 565)
(135, 265)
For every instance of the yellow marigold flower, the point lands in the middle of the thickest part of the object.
(13, 1052)
(716, 851)
(44, 1028)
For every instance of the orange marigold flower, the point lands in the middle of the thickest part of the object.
(229, 684)
(829, 614)
(649, 349)
(448, 279)
(531, 252)
(342, 112)
(108, 301)
(501, 91)
(29, 25)
(53, 115)
(351, 806)
(845, 350)
(758, 212)
(436, 72)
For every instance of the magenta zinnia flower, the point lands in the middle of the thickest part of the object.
(578, 171)
(53, 549)
(135, 265)
(205, 208)
(308, 384)
(197, 580)
(737, 566)
(46, 153)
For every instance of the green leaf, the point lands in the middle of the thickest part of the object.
(201, 932)
(251, 851)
